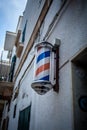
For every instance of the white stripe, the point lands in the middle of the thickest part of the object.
(42, 62)
(42, 50)
(42, 74)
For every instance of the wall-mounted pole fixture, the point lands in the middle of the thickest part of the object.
(46, 67)
(56, 50)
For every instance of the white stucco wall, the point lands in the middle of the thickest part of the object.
(53, 111)
(31, 14)
(71, 29)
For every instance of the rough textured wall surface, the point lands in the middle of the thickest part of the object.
(54, 111)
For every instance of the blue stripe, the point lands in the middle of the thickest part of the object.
(43, 55)
(45, 78)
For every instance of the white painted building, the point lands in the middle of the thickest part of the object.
(50, 20)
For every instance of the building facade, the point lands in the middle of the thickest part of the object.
(62, 23)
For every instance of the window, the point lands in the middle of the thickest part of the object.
(24, 32)
(11, 74)
(24, 119)
(14, 114)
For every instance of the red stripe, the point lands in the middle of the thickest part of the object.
(42, 68)
(39, 48)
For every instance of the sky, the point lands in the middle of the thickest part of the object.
(10, 10)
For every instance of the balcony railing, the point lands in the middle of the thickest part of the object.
(6, 86)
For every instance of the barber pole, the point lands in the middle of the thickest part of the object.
(42, 64)
(42, 75)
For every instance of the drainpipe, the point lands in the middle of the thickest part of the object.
(64, 5)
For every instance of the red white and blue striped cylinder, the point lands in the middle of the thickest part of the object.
(42, 71)
(42, 67)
